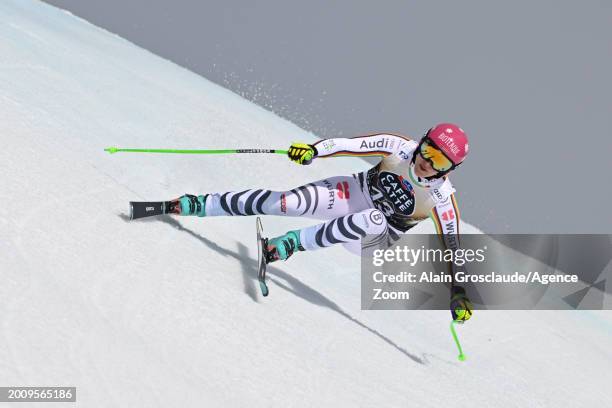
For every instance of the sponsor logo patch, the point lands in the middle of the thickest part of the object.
(378, 144)
(343, 190)
(398, 191)
(449, 142)
(448, 215)
(404, 155)
(376, 217)
(438, 194)
(331, 194)
(328, 144)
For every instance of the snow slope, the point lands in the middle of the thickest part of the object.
(167, 312)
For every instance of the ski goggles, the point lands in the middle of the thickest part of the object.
(435, 156)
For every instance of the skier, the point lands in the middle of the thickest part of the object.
(409, 184)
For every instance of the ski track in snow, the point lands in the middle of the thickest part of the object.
(167, 312)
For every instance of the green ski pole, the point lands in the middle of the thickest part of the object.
(113, 150)
(461, 356)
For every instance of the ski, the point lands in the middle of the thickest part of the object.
(262, 244)
(141, 209)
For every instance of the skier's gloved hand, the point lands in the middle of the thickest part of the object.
(460, 306)
(302, 153)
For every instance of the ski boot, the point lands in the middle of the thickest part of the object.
(189, 204)
(282, 247)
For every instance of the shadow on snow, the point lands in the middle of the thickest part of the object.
(292, 285)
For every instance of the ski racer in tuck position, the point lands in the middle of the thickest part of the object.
(408, 185)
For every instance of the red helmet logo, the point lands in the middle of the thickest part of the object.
(451, 139)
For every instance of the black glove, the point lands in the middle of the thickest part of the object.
(460, 306)
(302, 153)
